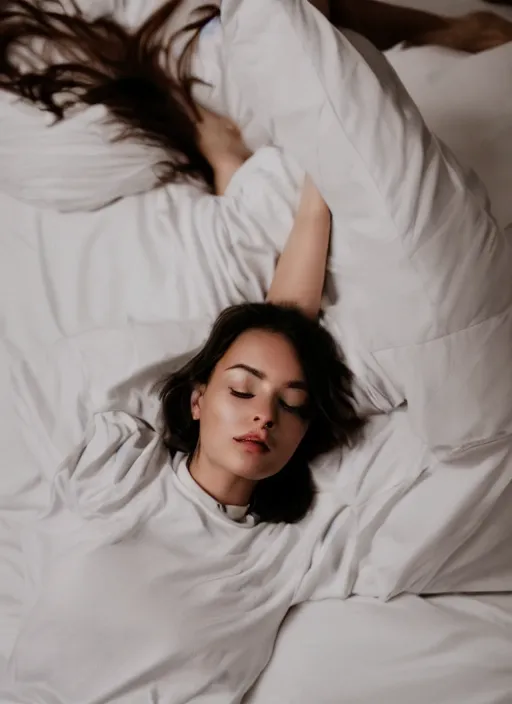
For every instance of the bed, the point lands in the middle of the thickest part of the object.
(67, 288)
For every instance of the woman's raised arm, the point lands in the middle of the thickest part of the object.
(300, 272)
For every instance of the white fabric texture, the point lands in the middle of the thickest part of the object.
(114, 489)
(423, 281)
(134, 565)
(57, 170)
(174, 254)
(443, 649)
(56, 395)
(125, 540)
(476, 124)
(149, 259)
(76, 164)
(119, 369)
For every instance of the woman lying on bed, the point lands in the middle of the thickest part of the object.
(75, 61)
(169, 560)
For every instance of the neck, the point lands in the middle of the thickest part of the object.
(225, 487)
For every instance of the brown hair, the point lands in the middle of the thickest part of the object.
(69, 61)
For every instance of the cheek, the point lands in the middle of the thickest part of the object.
(293, 432)
(219, 414)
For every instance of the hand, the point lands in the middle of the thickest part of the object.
(220, 141)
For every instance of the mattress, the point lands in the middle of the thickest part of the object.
(462, 639)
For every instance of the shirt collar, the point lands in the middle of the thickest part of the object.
(238, 514)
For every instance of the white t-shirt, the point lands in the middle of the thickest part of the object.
(142, 590)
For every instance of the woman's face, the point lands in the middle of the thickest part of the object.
(251, 411)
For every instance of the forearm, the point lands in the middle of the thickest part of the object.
(300, 273)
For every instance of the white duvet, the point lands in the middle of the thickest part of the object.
(420, 291)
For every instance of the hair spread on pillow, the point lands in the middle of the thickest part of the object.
(60, 60)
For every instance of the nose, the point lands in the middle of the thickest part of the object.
(265, 416)
(267, 425)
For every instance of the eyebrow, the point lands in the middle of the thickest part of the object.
(296, 384)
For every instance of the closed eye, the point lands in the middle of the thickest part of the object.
(240, 394)
(301, 410)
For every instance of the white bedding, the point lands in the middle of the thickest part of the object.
(451, 635)
(63, 275)
(447, 650)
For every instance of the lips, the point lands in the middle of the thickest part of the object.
(253, 443)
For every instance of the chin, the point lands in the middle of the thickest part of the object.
(254, 470)
(252, 465)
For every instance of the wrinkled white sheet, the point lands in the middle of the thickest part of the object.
(62, 275)
(465, 641)
(447, 650)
